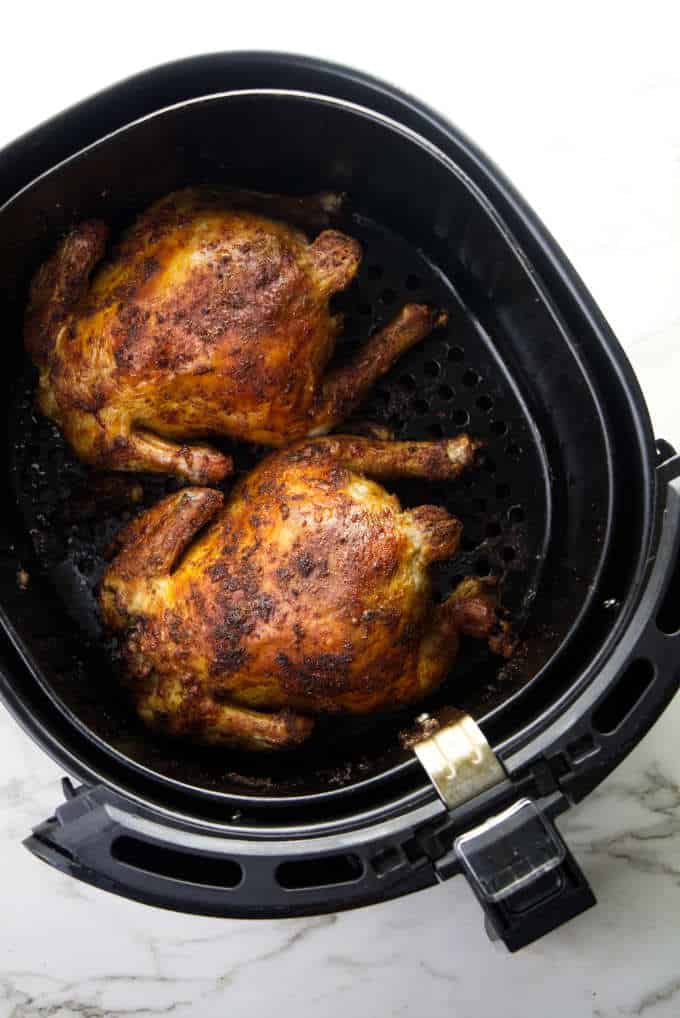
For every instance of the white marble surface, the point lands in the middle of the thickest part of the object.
(581, 110)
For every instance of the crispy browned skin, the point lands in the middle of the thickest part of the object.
(209, 320)
(307, 592)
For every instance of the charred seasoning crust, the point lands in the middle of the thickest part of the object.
(230, 302)
(206, 320)
(59, 284)
(306, 592)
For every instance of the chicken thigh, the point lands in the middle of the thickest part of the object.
(210, 319)
(306, 593)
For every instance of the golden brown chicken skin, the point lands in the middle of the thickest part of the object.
(209, 319)
(307, 592)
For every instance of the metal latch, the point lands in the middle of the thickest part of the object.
(516, 862)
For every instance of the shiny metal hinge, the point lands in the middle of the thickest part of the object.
(454, 752)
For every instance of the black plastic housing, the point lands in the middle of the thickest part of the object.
(611, 501)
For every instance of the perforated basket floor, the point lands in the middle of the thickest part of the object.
(452, 382)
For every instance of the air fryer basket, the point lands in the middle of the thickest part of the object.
(473, 375)
(572, 506)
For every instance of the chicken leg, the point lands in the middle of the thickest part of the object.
(470, 610)
(441, 460)
(345, 388)
(147, 552)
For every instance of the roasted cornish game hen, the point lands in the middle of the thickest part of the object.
(210, 318)
(306, 593)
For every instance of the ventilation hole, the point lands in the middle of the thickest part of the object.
(432, 368)
(365, 309)
(420, 406)
(513, 450)
(502, 490)
(456, 353)
(445, 392)
(323, 872)
(489, 465)
(375, 271)
(493, 529)
(408, 383)
(460, 417)
(499, 427)
(169, 862)
(388, 296)
(485, 403)
(516, 514)
(482, 567)
(471, 378)
(436, 430)
(413, 282)
(668, 619)
(624, 697)
(509, 554)
(480, 504)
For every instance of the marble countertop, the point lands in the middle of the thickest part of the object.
(583, 117)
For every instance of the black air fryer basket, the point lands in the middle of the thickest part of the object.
(574, 507)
